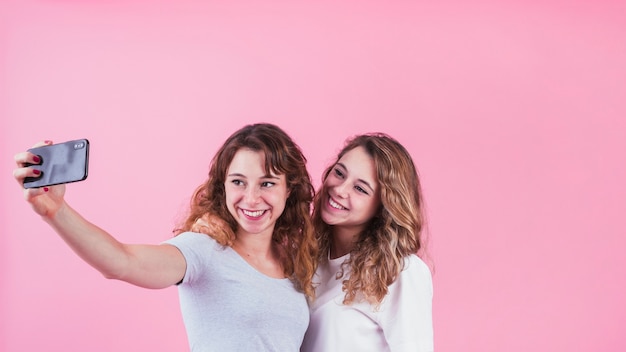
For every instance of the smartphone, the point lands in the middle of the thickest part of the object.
(60, 163)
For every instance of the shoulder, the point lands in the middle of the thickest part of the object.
(191, 237)
(188, 242)
(416, 276)
(415, 264)
(199, 251)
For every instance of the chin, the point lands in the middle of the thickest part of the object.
(328, 218)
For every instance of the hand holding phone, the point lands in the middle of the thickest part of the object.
(60, 163)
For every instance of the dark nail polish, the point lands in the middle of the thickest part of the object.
(36, 172)
(36, 159)
(45, 189)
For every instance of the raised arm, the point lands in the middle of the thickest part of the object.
(150, 266)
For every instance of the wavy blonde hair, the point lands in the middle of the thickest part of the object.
(293, 232)
(393, 233)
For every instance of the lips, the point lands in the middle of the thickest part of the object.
(253, 214)
(335, 205)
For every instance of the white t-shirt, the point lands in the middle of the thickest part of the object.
(403, 321)
(229, 306)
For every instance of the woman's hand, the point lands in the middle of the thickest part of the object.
(46, 201)
(211, 224)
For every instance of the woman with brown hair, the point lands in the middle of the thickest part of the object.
(241, 289)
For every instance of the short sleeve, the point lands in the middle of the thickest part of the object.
(197, 249)
(406, 312)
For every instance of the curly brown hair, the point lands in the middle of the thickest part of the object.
(293, 232)
(393, 233)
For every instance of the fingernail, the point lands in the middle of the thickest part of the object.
(47, 141)
(45, 189)
(36, 172)
(36, 159)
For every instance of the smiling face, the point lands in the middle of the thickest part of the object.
(254, 198)
(351, 193)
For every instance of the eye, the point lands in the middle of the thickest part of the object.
(361, 189)
(338, 173)
(267, 184)
(237, 182)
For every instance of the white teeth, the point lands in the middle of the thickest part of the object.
(254, 214)
(335, 204)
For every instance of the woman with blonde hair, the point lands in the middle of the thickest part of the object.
(373, 292)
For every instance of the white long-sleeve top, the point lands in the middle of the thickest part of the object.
(403, 321)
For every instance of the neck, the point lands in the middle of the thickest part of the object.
(256, 245)
(343, 241)
(261, 253)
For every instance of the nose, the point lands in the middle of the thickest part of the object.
(252, 195)
(341, 190)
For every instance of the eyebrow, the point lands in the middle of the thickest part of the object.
(236, 174)
(360, 179)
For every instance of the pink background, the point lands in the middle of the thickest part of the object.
(514, 112)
